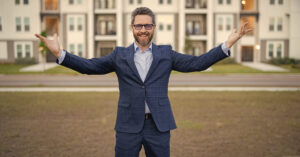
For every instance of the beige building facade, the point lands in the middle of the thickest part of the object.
(93, 28)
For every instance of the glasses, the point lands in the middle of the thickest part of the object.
(140, 26)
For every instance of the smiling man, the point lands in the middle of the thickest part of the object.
(144, 116)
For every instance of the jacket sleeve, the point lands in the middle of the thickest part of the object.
(189, 63)
(101, 65)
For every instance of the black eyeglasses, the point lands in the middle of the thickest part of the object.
(140, 26)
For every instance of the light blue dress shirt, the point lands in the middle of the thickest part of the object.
(143, 61)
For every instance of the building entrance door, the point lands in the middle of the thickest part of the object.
(247, 53)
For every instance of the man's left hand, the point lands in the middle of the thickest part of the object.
(235, 36)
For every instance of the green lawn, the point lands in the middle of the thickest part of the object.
(217, 69)
(210, 124)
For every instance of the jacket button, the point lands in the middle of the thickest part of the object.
(143, 86)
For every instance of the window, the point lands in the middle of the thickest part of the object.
(72, 48)
(169, 27)
(161, 27)
(26, 24)
(279, 25)
(27, 51)
(79, 22)
(220, 2)
(271, 25)
(228, 1)
(0, 24)
(79, 1)
(17, 2)
(220, 24)
(106, 25)
(71, 24)
(26, 2)
(130, 1)
(280, 2)
(71, 2)
(18, 24)
(228, 24)
(80, 50)
(19, 51)
(161, 1)
(139, 1)
(275, 46)
(278, 50)
(169, 1)
(272, 2)
(271, 47)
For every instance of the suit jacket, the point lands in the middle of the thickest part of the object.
(154, 90)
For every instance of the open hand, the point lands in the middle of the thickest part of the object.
(52, 45)
(235, 36)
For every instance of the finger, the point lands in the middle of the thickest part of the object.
(55, 37)
(41, 37)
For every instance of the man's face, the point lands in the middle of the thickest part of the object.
(143, 34)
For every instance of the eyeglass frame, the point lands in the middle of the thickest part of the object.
(145, 25)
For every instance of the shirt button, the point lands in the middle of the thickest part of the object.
(143, 86)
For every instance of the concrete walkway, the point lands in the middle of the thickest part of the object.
(264, 66)
(115, 89)
(38, 67)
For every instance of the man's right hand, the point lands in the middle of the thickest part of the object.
(52, 45)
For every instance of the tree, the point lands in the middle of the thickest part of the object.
(43, 49)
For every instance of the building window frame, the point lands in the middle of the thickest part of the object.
(26, 2)
(272, 24)
(80, 50)
(79, 24)
(23, 50)
(18, 24)
(26, 24)
(275, 49)
(280, 24)
(17, 2)
(71, 24)
(1, 24)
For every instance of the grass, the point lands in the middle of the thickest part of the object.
(209, 124)
(217, 69)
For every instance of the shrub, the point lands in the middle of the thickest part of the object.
(25, 61)
(284, 61)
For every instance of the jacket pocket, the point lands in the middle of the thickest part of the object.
(164, 101)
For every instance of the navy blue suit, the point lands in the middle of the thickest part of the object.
(154, 90)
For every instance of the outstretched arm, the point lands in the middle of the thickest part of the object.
(189, 63)
(101, 65)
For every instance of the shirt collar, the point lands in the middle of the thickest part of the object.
(136, 47)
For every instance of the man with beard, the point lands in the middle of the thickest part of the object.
(144, 116)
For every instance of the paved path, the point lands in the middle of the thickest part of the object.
(38, 67)
(263, 66)
(202, 80)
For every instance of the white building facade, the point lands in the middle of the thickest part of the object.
(93, 28)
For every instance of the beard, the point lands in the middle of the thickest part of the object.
(143, 42)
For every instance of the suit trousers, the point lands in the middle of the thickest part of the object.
(155, 143)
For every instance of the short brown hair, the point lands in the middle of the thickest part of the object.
(142, 11)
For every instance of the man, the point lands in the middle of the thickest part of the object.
(144, 115)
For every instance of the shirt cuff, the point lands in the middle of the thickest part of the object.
(225, 49)
(62, 56)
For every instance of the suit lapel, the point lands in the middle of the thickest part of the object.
(130, 59)
(156, 57)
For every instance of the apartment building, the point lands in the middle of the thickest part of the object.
(19, 20)
(92, 28)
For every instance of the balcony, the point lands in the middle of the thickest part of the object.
(196, 24)
(50, 6)
(196, 4)
(105, 25)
